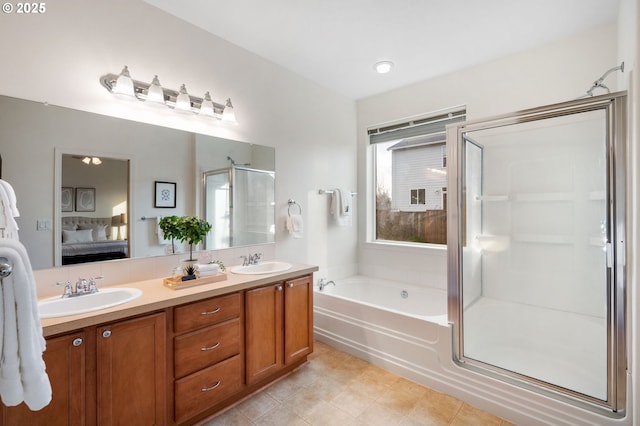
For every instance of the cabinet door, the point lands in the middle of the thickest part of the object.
(131, 366)
(298, 319)
(65, 361)
(263, 310)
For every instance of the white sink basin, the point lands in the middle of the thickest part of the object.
(269, 267)
(105, 298)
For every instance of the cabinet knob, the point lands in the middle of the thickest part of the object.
(106, 333)
(77, 341)
(207, 389)
(279, 288)
(290, 285)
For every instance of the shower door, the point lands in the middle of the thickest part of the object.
(239, 203)
(536, 266)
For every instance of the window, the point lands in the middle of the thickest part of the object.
(418, 196)
(410, 175)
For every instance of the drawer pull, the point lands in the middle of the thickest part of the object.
(211, 387)
(215, 311)
(210, 347)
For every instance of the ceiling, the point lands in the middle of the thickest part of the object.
(335, 43)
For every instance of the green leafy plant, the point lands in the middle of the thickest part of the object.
(170, 227)
(220, 264)
(189, 270)
(192, 230)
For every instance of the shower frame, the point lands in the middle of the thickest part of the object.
(614, 106)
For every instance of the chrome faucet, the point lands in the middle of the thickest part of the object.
(322, 283)
(251, 259)
(83, 286)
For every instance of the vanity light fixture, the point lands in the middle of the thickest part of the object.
(206, 107)
(124, 83)
(154, 94)
(383, 67)
(183, 101)
(228, 114)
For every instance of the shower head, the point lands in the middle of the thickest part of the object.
(233, 163)
(599, 83)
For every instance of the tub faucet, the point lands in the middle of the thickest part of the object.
(322, 283)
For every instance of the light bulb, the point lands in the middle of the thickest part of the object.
(124, 83)
(155, 94)
(96, 161)
(183, 102)
(206, 108)
(228, 114)
(383, 67)
(86, 160)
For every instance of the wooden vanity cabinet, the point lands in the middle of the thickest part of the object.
(279, 326)
(131, 372)
(109, 375)
(65, 359)
(207, 348)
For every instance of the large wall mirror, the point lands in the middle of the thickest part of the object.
(87, 184)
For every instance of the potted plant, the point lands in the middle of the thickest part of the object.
(192, 230)
(189, 272)
(170, 227)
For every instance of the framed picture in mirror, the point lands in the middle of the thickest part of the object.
(165, 194)
(85, 199)
(66, 199)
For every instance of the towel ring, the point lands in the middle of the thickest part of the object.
(292, 203)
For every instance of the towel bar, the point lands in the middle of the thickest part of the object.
(330, 191)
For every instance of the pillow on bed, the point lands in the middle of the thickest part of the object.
(81, 236)
(99, 231)
(71, 227)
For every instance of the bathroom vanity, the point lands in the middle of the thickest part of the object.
(175, 357)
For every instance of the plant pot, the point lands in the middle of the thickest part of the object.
(188, 277)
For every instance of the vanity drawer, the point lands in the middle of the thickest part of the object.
(201, 390)
(208, 312)
(207, 346)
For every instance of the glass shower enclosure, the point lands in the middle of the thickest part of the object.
(536, 249)
(239, 203)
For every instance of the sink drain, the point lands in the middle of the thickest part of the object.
(404, 294)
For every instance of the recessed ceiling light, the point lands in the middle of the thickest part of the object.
(383, 67)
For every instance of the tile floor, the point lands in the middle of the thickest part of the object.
(335, 388)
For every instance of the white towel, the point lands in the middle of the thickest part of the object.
(22, 369)
(12, 197)
(8, 211)
(341, 207)
(208, 267)
(161, 239)
(295, 225)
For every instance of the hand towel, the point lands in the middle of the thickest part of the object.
(8, 225)
(161, 239)
(341, 207)
(23, 374)
(12, 197)
(208, 267)
(295, 225)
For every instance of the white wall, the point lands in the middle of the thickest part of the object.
(59, 57)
